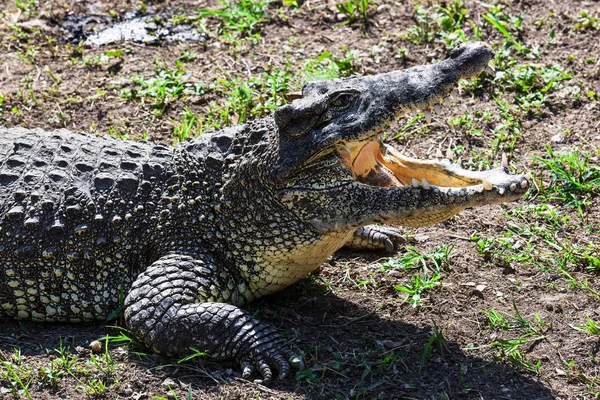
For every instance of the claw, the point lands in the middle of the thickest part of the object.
(297, 363)
(248, 369)
(265, 372)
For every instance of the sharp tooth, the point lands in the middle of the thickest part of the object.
(490, 65)
(489, 70)
(447, 101)
(425, 184)
(524, 184)
(459, 161)
(455, 93)
(528, 176)
(439, 153)
(415, 183)
(479, 189)
(414, 112)
(437, 108)
(427, 116)
(504, 161)
(501, 191)
(513, 187)
(487, 185)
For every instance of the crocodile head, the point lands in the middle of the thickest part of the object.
(335, 172)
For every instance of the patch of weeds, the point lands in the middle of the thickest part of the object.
(52, 373)
(510, 348)
(355, 10)
(167, 86)
(100, 60)
(28, 7)
(102, 368)
(503, 21)
(245, 98)
(429, 276)
(441, 23)
(574, 179)
(187, 56)
(587, 21)
(412, 258)
(18, 374)
(507, 131)
(2, 101)
(239, 18)
(119, 132)
(436, 340)
(188, 127)
(591, 327)
(326, 66)
(470, 125)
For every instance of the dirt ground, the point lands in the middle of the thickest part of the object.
(359, 336)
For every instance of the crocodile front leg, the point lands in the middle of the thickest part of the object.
(178, 303)
(376, 237)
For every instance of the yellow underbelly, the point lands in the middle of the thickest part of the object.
(279, 270)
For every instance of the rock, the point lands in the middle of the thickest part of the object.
(558, 138)
(169, 383)
(96, 347)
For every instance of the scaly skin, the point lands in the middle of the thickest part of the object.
(185, 236)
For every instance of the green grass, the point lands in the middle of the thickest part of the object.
(445, 24)
(354, 10)
(428, 277)
(574, 178)
(19, 375)
(238, 18)
(511, 348)
(590, 327)
(587, 21)
(161, 90)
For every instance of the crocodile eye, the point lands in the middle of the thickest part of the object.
(342, 101)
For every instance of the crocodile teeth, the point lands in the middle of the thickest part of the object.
(425, 184)
(415, 183)
(489, 70)
(439, 153)
(487, 185)
(513, 187)
(501, 191)
(523, 184)
(447, 101)
(414, 112)
(437, 108)
(427, 116)
(504, 161)
(490, 65)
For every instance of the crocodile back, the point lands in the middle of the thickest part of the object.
(76, 221)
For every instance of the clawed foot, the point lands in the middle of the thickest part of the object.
(265, 359)
(376, 237)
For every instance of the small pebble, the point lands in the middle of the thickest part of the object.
(96, 346)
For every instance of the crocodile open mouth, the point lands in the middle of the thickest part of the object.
(375, 164)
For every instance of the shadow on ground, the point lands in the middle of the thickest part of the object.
(352, 353)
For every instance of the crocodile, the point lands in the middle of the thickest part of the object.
(181, 238)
